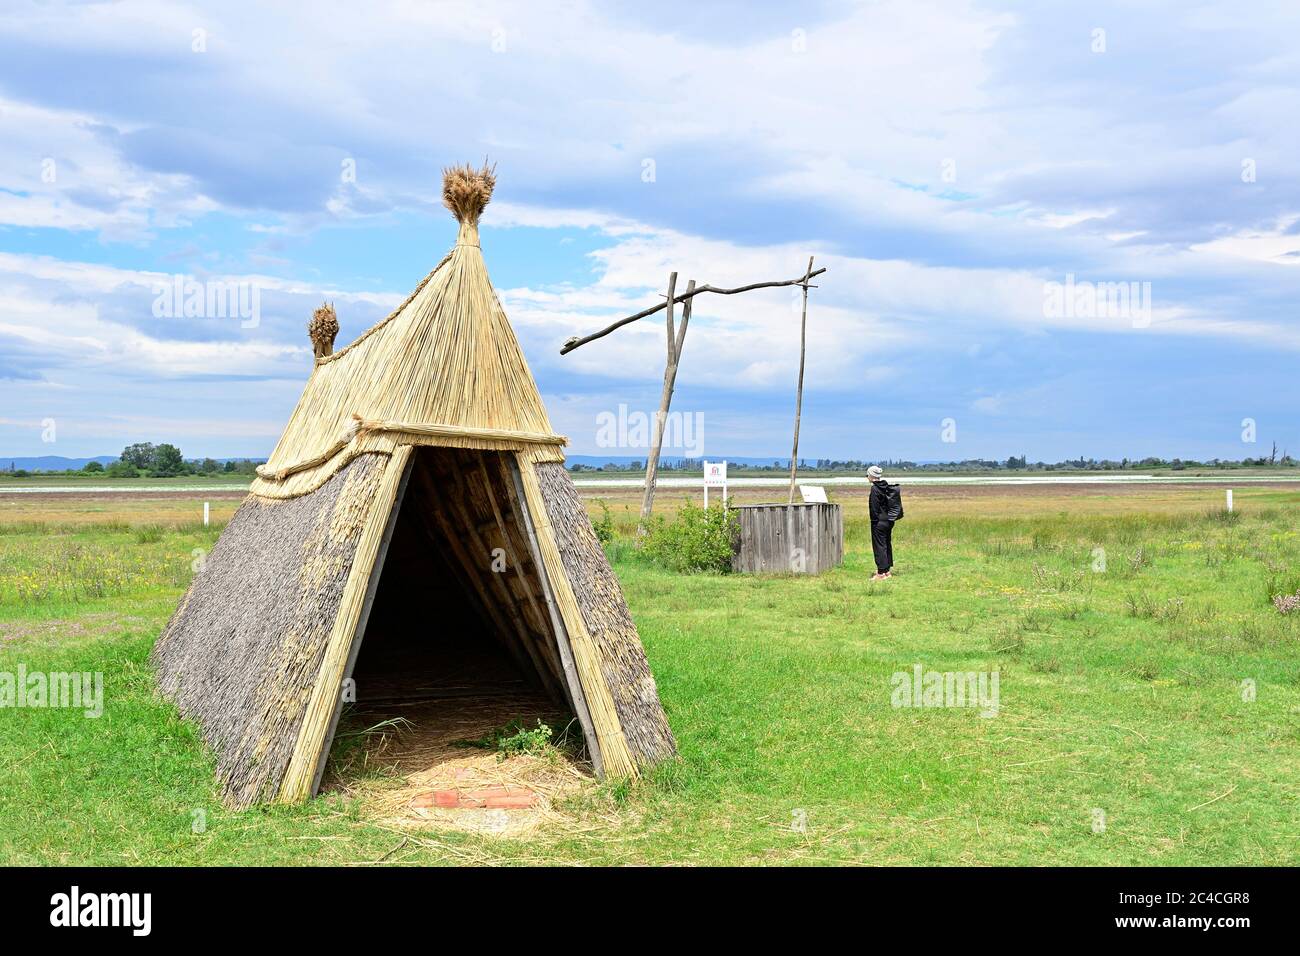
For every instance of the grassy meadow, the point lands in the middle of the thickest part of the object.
(1149, 697)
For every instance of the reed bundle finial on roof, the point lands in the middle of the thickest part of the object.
(466, 190)
(323, 329)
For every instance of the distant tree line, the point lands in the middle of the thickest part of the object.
(144, 459)
(1081, 463)
(611, 466)
(684, 464)
(1012, 464)
(166, 461)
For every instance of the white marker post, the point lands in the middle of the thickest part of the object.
(715, 476)
(205, 514)
(1229, 499)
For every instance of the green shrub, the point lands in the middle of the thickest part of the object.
(524, 741)
(698, 539)
(604, 525)
(516, 738)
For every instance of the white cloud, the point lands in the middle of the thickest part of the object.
(55, 311)
(58, 173)
(1279, 245)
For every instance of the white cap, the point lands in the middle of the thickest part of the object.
(875, 472)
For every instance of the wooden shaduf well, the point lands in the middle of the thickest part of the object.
(799, 538)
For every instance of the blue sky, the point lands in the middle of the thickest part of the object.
(948, 162)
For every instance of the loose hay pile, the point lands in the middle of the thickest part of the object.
(427, 732)
(428, 767)
(542, 782)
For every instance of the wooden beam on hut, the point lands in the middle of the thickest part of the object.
(505, 582)
(506, 623)
(577, 695)
(439, 530)
(519, 546)
(551, 670)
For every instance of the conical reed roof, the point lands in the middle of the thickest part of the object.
(446, 357)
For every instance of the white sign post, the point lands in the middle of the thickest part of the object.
(1229, 499)
(715, 476)
(205, 514)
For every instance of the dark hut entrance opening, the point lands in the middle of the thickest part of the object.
(460, 637)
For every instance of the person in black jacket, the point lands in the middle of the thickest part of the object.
(886, 508)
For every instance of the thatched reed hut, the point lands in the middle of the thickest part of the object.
(417, 510)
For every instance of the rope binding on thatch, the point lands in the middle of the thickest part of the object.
(360, 427)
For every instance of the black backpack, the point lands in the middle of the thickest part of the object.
(898, 496)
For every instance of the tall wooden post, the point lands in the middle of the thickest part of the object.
(676, 338)
(798, 395)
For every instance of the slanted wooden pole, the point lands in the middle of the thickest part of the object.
(675, 338)
(576, 341)
(798, 395)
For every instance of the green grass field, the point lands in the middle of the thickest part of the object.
(1126, 731)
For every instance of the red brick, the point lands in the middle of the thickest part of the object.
(494, 798)
(436, 798)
